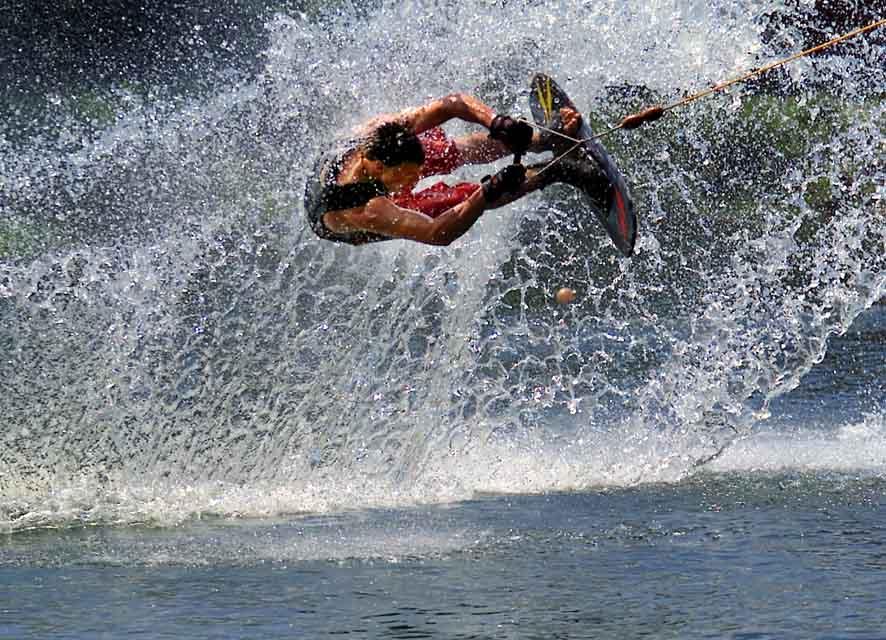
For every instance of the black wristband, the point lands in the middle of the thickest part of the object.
(493, 188)
(496, 126)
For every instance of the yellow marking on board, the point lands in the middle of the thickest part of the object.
(546, 99)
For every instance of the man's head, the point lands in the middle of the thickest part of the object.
(395, 155)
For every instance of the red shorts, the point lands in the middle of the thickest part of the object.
(441, 157)
(436, 199)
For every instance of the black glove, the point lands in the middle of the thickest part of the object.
(515, 134)
(508, 180)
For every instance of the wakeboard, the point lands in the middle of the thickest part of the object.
(617, 212)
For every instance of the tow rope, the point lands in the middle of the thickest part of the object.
(653, 113)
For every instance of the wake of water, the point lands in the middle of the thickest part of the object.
(176, 341)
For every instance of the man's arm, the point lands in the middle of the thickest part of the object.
(382, 216)
(436, 112)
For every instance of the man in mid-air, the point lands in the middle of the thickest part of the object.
(362, 191)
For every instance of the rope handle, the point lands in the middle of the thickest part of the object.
(649, 115)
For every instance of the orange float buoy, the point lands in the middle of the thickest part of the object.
(564, 295)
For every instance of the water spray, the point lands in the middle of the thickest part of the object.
(653, 113)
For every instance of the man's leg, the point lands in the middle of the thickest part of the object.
(535, 180)
(582, 174)
(479, 148)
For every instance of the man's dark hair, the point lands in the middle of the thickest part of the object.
(393, 144)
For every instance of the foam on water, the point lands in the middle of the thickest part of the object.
(176, 342)
(856, 447)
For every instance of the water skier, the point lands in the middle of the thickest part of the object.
(362, 191)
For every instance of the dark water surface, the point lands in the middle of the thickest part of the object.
(741, 556)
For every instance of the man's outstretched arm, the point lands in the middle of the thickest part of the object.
(436, 112)
(382, 216)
